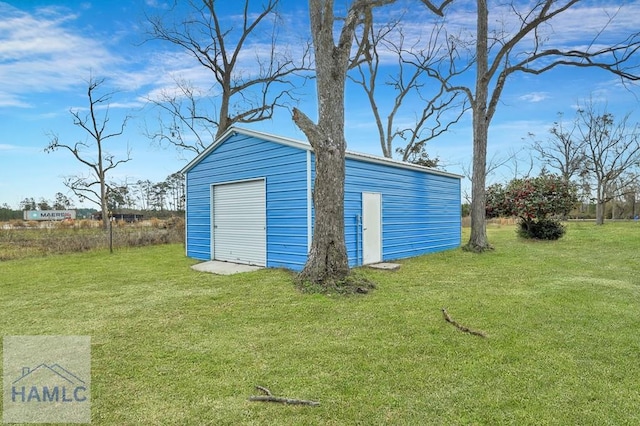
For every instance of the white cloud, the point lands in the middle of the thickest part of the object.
(157, 4)
(534, 97)
(18, 150)
(12, 100)
(39, 53)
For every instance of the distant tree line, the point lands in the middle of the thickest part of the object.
(168, 195)
(143, 195)
(7, 213)
(60, 202)
(598, 154)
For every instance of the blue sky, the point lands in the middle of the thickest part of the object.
(49, 49)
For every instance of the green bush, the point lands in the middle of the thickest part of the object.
(535, 201)
(543, 229)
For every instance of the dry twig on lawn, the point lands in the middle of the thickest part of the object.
(268, 397)
(450, 320)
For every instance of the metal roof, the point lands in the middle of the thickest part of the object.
(307, 147)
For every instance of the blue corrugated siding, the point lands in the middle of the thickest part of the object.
(241, 157)
(420, 211)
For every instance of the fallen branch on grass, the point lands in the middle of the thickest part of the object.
(450, 320)
(268, 397)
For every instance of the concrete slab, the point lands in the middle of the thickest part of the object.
(385, 265)
(224, 268)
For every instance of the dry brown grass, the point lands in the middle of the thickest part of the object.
(34, 239)
(500, 221)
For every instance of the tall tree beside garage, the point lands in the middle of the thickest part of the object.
(500, 52)
(327, 263)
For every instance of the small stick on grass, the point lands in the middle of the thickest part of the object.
(268, 397)
(450, 320)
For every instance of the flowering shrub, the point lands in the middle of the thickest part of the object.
(538, 202)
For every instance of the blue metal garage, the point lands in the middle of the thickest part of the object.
(249, 200)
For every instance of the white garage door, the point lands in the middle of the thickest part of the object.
(239, 222)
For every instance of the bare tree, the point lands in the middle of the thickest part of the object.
(245, 90)
(563, 151)
(188, 126)
(327, 263)
(509, 160)
(631, 196)
(612, 150)
(622, 196)
(441, 109)
(92, 153)
(499, 54)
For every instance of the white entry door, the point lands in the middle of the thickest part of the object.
(239, 222)
(371, 227)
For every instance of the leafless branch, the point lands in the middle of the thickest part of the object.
(612, 149)
(438, 10)
(249, 91)
(563, 151)
(92, 153)
(441, 109)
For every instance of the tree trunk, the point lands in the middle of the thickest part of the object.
(103, 190)
(105, 214)
(224, 123)
(327, 263)
(478, 241)
(613, 209)
(600, 204)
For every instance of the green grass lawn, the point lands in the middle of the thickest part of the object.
(175, 346)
